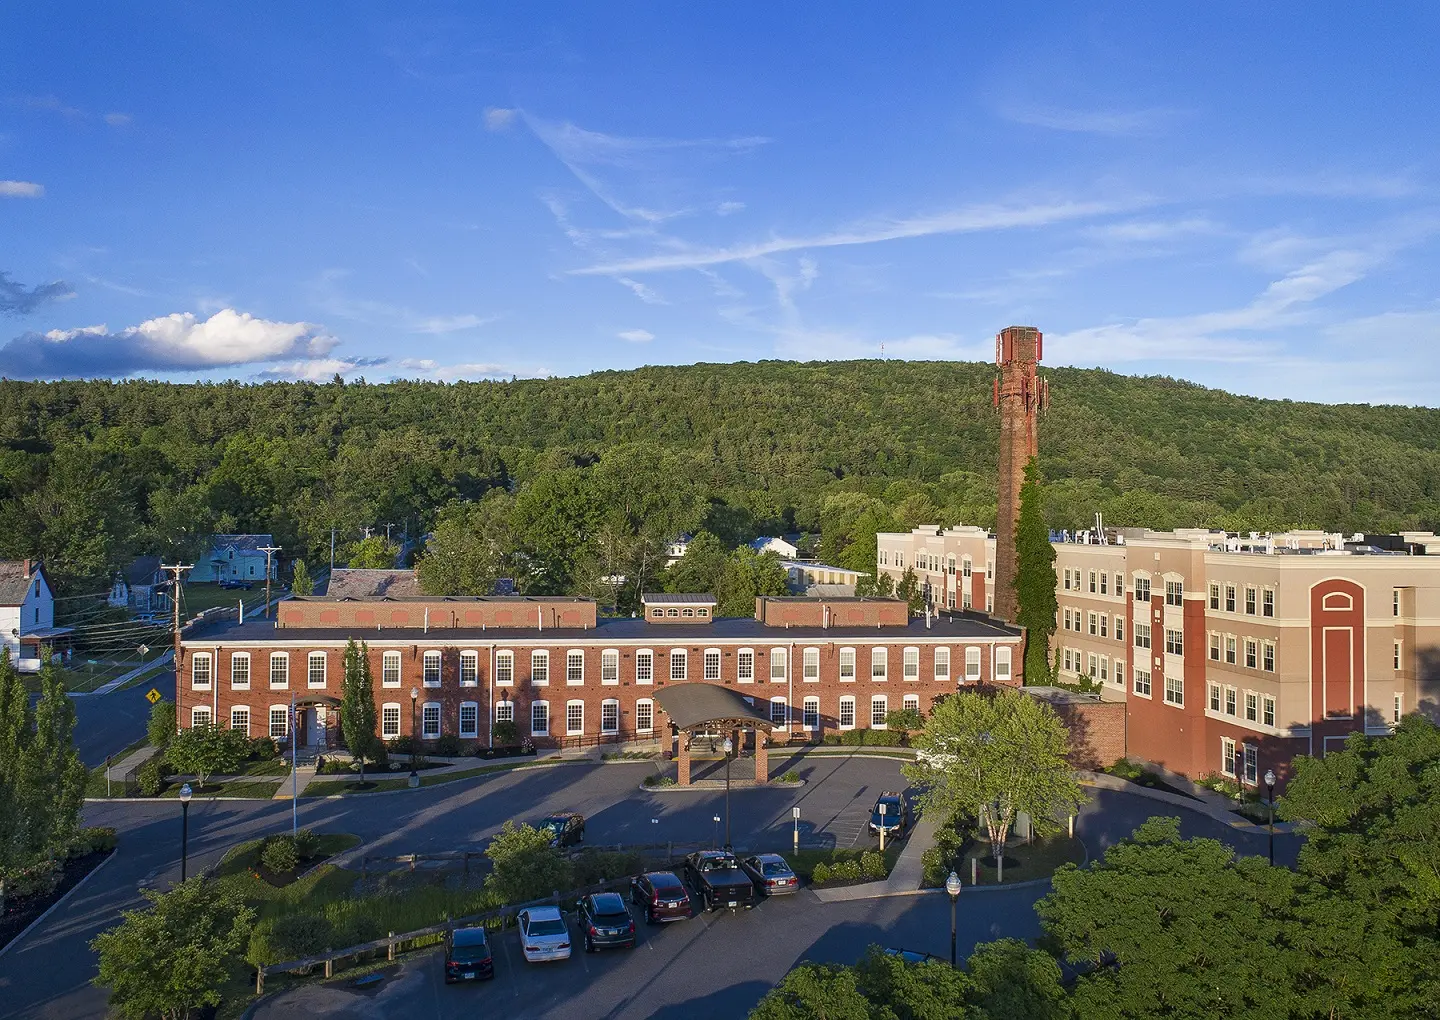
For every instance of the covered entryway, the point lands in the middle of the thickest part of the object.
(701, 708)
(317, 724)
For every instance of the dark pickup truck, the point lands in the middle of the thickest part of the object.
(718, 880)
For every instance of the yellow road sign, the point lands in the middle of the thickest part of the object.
(153, 696)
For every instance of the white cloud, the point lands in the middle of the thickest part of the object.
(118, 119)
(1094, 122)
(21, 189)
(438, 324)
(427, 368)
(1151, 230)
(498, 118)
(636, 336)
(316, 369)
(642, 291)
(726, 208)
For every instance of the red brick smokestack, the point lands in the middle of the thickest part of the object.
(1020, 395)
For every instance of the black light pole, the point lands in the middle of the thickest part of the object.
(184, 829)
(729, 746)
(414, 737)
(1270, 796)
(952, 886)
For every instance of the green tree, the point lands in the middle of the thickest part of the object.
(357, 706)
(524, 864)
(993, 754)
(701, 568)
(19, 814)
(747, 576)
(375, 553)
(300, 582)
(57, 764)
(160, 727)
(472, 547)
(930, 990)
(909, 590)
(1011, 981)
(204, 750)
(172, 959)
(815, 991)
(1035, 577)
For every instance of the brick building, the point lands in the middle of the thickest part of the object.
(1232, 654)
(457, 666)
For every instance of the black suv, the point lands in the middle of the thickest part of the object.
(605, 921)
(467, 956)
(719, 880)
(566, 829)
(896, 817)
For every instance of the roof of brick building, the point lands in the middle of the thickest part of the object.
(357, 583)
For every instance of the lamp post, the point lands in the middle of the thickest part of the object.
(715, 836)
(729, 746)
(952, 886)
(414, 737)
(185, 793)
(795, 814)
(1270, 796)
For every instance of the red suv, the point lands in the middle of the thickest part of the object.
(662, 895)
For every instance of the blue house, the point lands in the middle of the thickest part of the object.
(235, 558)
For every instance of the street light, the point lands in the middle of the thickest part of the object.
(1270, 796)
(952, 886)
(185, 793)
(715, 836)
(795, 814)
(729, 746)
(414, 737)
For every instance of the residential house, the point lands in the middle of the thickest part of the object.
(27, 612)
(142, 588)
(235, 558)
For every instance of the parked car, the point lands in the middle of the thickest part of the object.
(231, 583)
(663, 896)
(566, 828)
(896, 818)
(771, 874)
(716, 876)
(544, 935)
(605, 921)
(913, 956)
(467, 956)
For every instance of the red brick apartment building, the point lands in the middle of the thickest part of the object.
(566, 677)
(1232, 654)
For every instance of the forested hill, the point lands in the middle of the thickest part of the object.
(92, 472)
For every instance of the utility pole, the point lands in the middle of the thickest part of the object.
(332, 548)
(176, 570)
(387, 531)
(367, 529)
(268, 550)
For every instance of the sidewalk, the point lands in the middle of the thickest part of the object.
(905, 877)
(116, 772)
(121, 681)
(1209, 803)
(292, 787)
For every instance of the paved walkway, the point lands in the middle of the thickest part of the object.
(289, 790)
(117, 771)
(1206, 802)
(125, 678)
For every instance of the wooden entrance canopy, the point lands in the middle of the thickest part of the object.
(693, 706)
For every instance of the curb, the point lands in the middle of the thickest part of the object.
(56, 905)
(692, 788)
(1228, 818)
(542, 764)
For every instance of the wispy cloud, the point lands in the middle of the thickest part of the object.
(319, 369)
(729, 208)
(334, 301)
(498, 118)
(55, 105)
(16, 299)
(642, 291)
(636, 336)
(439, 324)
(1092, 122)
(425, 368)
(21, 189)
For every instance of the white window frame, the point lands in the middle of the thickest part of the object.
(1142, 685)
(745, 665)
(505, 711)
(544, 706)
(1003, 662)
(432, 667)
(941, 657)
(910, 663)
(882, 702)
(778, 665)
(910, 701)
(1175, 695)
(784, 706)
(610, 705)
(644, 716)
(1141, 588)
(810, 713)
(201, 679)
(1174, 641)
(710, 660)
(1267, 656)
(199, 713)
(644, 667)
(1228, 757)
(310, 660)
(1174, 593)
(847, 665)
(284, 681)
(810, 665)
(610, 667)
(429, 710)
(1267, 602)
(679, 664)
(469, 668)
(973, 664)
(240, 659)
(1212, 697)
(388, 732)
(540, 667)
(575, 667)
(246, 710)
(1267, 710)
(505, 668)
(281, 712)
(474, 729)
(572, 730)
(879, 664)
(847, 701)
(1397, 709)
(1252, 706)
(387, 660)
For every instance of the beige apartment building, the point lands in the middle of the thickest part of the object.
(1232, 654)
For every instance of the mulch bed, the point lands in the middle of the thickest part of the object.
(20, 911)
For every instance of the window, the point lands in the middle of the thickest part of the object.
(810, 665)
(469, 719)
(965, 567)
(644, 666)
(1252, 706)
(240, 671)
(1267, 715)
(1002, 664)
(688, 613)
(539, 669)
(672, 612)
(200, 668)
(430, 720)
(1104, 583)
(1252, 764)
(942, 663)
(315, 669)
(1104, 673)
(574, 667)
(1094, 585)
(847, 713)
(910, 664)
(539, 718)
(1252, 654)
(1142, 635)
(1227, 756)
(658, 614)
(280, 722)
(574, 718)
(1229, 598)
(1396, 710)
(779, 715)
(240, 719)
(1215, 597)
(1119, 584)
(1229, 701)
(1174, 691)
(972, 665)
(777, 665)
(810, 714)
(1066, 582)
(1092, 624)
(1142, 682)
(1119, 628)
(989, 570)
(469, 669)
(1068, 663)
(390, 669)
(1174, 593)
(609, 716)
(1397, 656)
(702, 612)
(389, 721)
(279, 669)
(1214, 695)
(1267, 602)
(1104, 624)
(644, 716)
(505, 669)
(1230, 649)
(679, 664)
(432, 669)
(745, 665)
(610, 667)
(1215, 646)
(879, 709)
(879, 661)
(911, 702)
(1249, 601)
(1174, 642)
(1395, 602)
(1142, 589)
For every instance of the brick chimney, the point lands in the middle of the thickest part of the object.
(1020, 395)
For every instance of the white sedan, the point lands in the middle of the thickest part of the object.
(544, 934)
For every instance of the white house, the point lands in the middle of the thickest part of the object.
(141, 588)
(782, 547)
(27, 612)
(803, 574)
(676, 548)
(235, 558)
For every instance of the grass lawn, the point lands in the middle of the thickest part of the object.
(1025, 861)
(198, 597)
(330, 787)
(803, 863)
(233, 788)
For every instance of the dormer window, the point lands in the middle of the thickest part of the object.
(657, 614)
(702, 612)
(672, 612)
(687, 612)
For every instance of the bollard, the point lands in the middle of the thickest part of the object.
(390, 948)
(259, 980)
(329, 965)
(1072, 826)
(974, 871)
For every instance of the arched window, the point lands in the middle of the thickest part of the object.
(879, 709)
(315, 669)
(779, 712)
(811, 714)
(432, 669)
(644, 716)
(240, 671)
(279, 669)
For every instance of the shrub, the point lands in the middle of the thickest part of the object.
(289, 937)
(656, 779)
(279, 854)
(821, 874)
(934, 867)
(790, 777)
(872, 864)
(448, 746)
(905, 719)
(161, 726)
(152, 776)
(507, 734)
(40, 879)
(882, 738)
(307, 844)
(852, 738)
(264, 749)
(525, 866)
(400, 745)
(846, 871)
(595, 866)
(99, 839)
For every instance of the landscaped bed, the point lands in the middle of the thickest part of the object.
(1132, 773)
(827, 868)
(333, 787)
(42, 887)
(957, 842)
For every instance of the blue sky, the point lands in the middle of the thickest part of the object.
(1243, 195)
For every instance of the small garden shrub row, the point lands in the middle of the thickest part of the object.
(947, 855)
(867, 738)
(870, 866)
